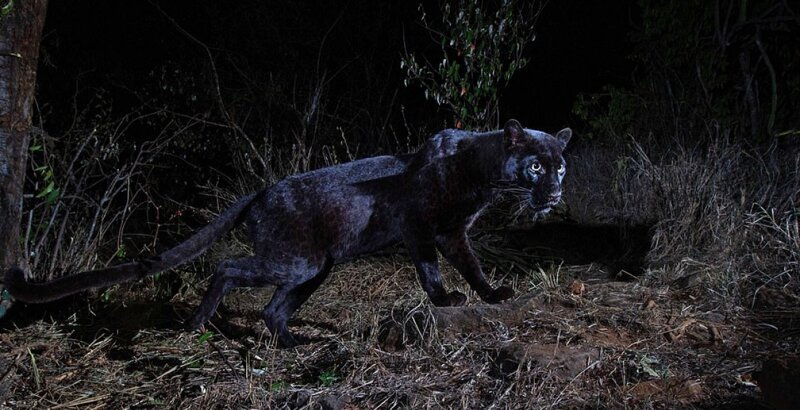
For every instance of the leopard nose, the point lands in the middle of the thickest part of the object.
(555, 196)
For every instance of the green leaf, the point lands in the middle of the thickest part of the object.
(327, 378)
(49, 188)
(120, 253)
(277, 386)
(35, 148)
(205, 337)
(6, 9)
(52, 196)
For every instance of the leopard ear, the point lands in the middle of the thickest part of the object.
(563, 137)
(513, 133)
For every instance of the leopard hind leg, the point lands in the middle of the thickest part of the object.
(251, 271)
(289, 297)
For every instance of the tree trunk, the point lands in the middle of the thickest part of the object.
(21, 23)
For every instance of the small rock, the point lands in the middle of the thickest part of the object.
(301, 398)
(577, 288)
(688, 281)
(333, 402)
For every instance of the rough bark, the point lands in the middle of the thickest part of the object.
(21, 23)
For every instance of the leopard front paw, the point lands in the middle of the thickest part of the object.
(454, 298)
(500, 294)
(457, 298)
(197, 322)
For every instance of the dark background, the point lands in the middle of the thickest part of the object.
(262, 50)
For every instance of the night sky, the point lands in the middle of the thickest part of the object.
(580, 46)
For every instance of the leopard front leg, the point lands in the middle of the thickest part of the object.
(456, 249)
(419, 241)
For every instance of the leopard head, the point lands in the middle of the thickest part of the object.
(534, 164)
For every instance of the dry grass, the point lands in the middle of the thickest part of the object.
(721, 210)
(379, 344)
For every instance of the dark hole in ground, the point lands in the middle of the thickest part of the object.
(621, 248)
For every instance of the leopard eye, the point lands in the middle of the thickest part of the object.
(536, 167)
(561, 169)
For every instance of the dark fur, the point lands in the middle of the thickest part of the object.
(304, 224)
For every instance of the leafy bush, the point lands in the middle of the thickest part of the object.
(481, 50)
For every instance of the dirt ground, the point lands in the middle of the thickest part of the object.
(571, 338)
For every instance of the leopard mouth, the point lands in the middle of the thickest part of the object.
(545, 206)
(540, 208)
